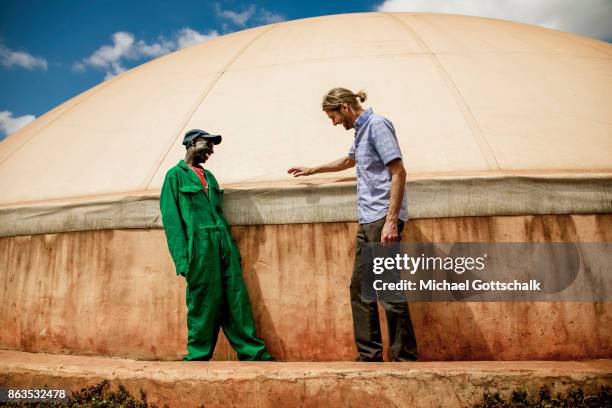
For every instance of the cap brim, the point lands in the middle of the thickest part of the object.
(216, 139)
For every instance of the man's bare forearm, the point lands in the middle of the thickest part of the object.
(398, 185)
(340, 164)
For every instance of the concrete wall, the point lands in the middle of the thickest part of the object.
(115, 293)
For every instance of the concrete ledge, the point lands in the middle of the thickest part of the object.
(225, 383)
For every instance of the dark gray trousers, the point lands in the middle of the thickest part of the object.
(366, 324)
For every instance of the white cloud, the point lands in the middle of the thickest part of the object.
(112, 58)
(10, 58)
(78, 67)
(267, 17)
(188, 37)
(108, 55)
(251, 13)
(154, 50)
(10, 124)
(586, 17)
(235, 17)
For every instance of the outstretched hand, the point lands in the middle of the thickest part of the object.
(300, 171)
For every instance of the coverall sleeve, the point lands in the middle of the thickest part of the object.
(173, 224)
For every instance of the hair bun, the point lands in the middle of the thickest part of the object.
(361, 96)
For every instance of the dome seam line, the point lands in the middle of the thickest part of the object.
(477, 133)
(199, 101)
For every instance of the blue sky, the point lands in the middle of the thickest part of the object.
(51, 51)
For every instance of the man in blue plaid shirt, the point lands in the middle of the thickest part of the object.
(382, 203)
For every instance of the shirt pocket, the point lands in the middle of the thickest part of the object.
(193, 194)
(362, 155)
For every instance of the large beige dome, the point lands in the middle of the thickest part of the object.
(506, 132)
(466, 94)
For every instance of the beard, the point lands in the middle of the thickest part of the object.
(345, 121)
(346, 124)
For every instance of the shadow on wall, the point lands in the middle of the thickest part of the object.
(444, 330)
(249, 241)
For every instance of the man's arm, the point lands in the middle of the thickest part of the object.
(173, 225)
(342, 163)
(398, 184)
(386, 145)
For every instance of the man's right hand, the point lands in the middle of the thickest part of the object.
(301, 171)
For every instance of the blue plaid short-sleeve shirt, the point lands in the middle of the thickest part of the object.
(374, 147)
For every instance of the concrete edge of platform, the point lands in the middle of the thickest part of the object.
(268, 384)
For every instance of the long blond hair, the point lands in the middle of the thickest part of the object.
(337, 96)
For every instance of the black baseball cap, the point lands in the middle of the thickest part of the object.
(193, 133)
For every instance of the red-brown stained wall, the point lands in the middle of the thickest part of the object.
(115, 293)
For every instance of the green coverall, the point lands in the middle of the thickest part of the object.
(205, 252)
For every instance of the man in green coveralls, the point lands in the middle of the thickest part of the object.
(206, 254)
